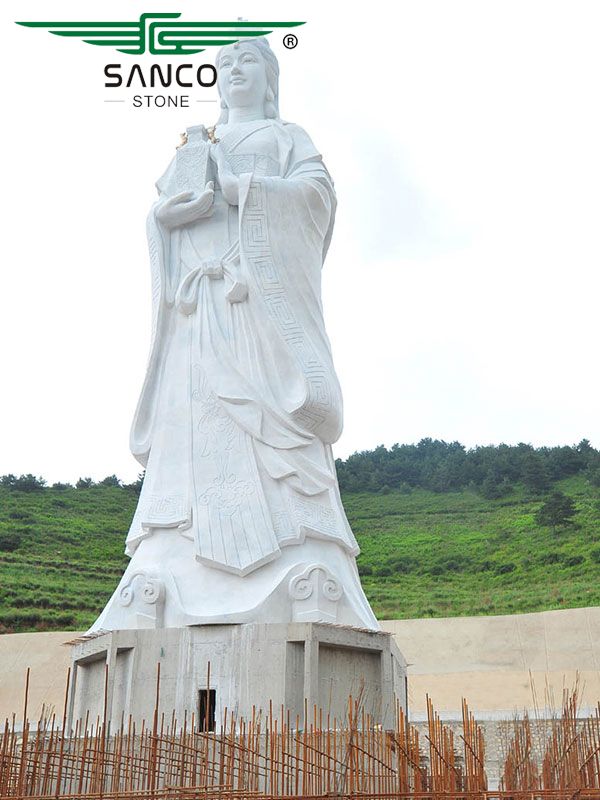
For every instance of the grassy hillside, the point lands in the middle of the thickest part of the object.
(423, 553)
(457, 554)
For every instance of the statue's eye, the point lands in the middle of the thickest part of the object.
(225, 64)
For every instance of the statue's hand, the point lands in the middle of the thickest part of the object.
(186, 207)
(228, 180)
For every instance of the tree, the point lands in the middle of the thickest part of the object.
(84, 483)
(136, 486)
(111, 480)
(495, 486)
(534, 473)
(557, 512)
(585, 448)
(29, 483)
(593, 476)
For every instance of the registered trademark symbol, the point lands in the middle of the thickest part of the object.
(290, 41)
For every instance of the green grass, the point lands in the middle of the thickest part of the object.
(423, 554)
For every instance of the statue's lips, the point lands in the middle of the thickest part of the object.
(237, 81)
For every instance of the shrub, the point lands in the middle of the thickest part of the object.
(449, 564)
(403, 564)
(9, 542)
(21, 618)
(551, 558)
(504, 569)
(84, 483)
(574, 561)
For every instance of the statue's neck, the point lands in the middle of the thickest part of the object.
(245, 114)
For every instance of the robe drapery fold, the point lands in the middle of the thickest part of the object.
(241, 402)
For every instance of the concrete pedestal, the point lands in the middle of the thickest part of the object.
(250, 665)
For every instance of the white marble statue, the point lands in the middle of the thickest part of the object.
(240, 517)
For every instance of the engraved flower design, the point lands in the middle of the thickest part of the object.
(227, 492)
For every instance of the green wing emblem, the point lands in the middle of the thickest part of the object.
(161, 34)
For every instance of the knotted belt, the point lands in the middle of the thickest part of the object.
(224, 268)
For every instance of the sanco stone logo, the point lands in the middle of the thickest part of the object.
(161, 34)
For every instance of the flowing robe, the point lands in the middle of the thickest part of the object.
(241, 402)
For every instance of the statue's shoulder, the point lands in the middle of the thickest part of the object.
(295, 130)
(303, 144)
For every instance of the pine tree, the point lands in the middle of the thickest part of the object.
(557, 512)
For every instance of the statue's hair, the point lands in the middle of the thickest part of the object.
(272, 70)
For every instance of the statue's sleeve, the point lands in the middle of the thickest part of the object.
(306, 169)
(159, 247)
(285, 227)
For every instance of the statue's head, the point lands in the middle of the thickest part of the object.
(247, 75)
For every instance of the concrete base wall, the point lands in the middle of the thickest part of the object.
(250, 664)
(491, 661)
(497, 662)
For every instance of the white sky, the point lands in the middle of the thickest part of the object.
(461, 288)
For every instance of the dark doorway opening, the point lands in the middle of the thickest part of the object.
(207, 700)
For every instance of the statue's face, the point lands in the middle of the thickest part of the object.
(242, 76)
